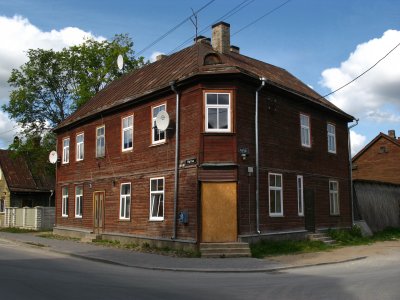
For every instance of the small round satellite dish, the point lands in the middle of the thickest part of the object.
(162, 120)
(120, 62)
(53, 157)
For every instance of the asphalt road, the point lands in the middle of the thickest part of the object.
(31, 273)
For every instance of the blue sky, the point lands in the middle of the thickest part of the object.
(312, 39)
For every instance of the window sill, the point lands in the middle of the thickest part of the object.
(124, 220)
(158, 144)
(335, 215)
(156, 220)
(276, 216)
(218, 133)
(64, 216)
(78, 217)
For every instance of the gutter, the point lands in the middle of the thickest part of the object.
(351, 171)
(257, 159)
(176, 181)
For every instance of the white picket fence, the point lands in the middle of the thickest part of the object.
(35, 218)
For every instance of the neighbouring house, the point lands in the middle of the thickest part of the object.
(19, 186)
(376, 180)
(379, 160)
(250, 152)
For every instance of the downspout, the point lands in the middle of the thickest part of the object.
(257, 160)
(173, 88)
(351, 172)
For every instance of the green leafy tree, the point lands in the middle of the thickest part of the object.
(53, 84)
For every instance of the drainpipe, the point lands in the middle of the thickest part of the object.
(351, 172)
(173, 88)
(257, 160)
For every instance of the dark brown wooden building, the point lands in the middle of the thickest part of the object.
(250, 152)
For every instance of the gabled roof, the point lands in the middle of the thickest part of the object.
(19, 177)
(369, 145)
(185, 64)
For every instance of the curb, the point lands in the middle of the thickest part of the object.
(191, 270)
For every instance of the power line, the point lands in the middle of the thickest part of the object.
(363, 73)
(172, 29)
(227, 15)
(15, 127)
(263, 16)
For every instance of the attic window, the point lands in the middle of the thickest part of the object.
(212, 59)
(383, 149)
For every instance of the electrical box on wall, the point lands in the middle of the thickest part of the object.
(184, 217)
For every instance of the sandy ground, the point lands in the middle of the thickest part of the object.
(339, 254)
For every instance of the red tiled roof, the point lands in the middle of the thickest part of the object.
(18, 176)
(182, 65)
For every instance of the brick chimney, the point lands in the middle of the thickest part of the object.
(221, 37)
(392, 134)
(235, 49)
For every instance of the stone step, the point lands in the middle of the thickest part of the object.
(90, 237)
(220, 250)
(322, 237)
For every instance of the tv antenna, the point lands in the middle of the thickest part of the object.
(193, 19)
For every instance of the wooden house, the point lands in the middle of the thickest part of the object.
(19, 186)
(250, 152)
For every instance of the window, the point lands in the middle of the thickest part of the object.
(218, 112)
(64, 202)
(2, 205)
(331, 138)
(100, 141)
(127, 133)
(125, 201)
(334, 197)
(275, 195)
(305, 130)
(79, 146)
(78, 201)
(300, 195)
(158, 136)
(65, 156)
(157, 199)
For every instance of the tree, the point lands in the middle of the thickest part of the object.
(52, 85)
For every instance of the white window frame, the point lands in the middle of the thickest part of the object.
(305, 131)
(334, 205)
(300, 195)
(331, 134)
(154, 193)
(218, 106)
(80, 147)
(65, 156)
(101, 141)
(78, 201)
(124, 208)
(275, 189)
(155, 132)
(126, 130)
(64, 201)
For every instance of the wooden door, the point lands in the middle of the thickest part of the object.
(309, 210)
(98, 212)
(219, 212)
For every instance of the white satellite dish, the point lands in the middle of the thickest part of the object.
(162, 120)
(120, 62)
(53, 157)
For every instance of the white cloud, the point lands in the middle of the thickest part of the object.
(154, 55)
(17, 35)
(358, 141)
(376, 95)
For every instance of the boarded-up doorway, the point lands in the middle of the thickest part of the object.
(219, 212)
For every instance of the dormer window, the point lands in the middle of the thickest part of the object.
(212, 59)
